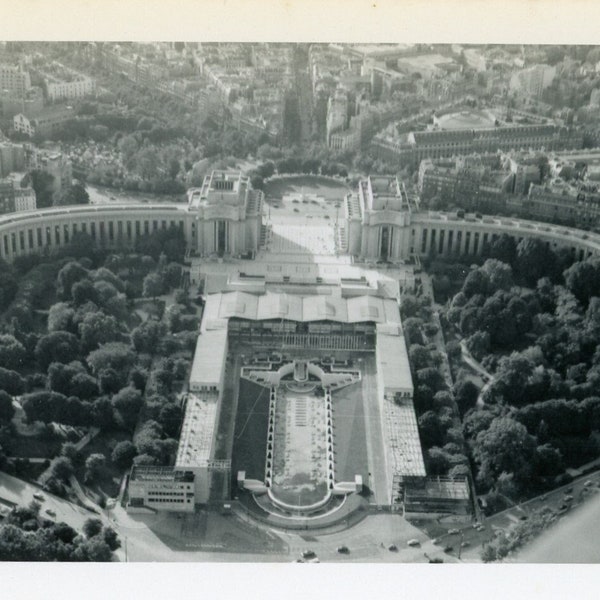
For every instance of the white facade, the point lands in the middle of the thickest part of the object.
(25, 199)
(23, 124)
(14, 80)
(227, 215)
(160, 488)
(79, 88)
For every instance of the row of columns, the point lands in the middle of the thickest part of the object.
(33, 238)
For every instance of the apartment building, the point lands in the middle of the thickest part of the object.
(44, 123)
(14, 198)
(14, 80)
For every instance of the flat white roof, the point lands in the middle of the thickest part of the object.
(209, 357)
(400, 430)
(392, 359)
(198, 431)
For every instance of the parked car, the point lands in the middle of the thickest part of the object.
(39, 496)
(343, 550)
(413, 543)
(308, 554)
(50, 512)
(393, 548)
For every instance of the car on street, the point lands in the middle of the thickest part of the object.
(448, 549)
(50, 512)
(413, 543)
(39, 496)
(393, 548)
(306, 554)
(453, 531)
(343, 550)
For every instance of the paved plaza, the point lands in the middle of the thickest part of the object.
(307, 238)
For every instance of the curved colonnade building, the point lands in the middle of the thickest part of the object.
(224, 217)
(380, 224)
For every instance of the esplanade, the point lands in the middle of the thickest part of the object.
(225, 217)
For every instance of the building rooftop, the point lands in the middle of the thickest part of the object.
(198, 431)
(401, 436)
(392, 358)
(292, 307)
(220, 187)
(153, 473)
(207, 368)
(469, 119)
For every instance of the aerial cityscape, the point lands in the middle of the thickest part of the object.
(292, 302)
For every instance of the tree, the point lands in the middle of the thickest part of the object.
(7, 410)
(109, 380)
(42, 183)
(548, 461)
(505, 485)
(582, 278)
(12, 352)
(94, 465)
(504, 447)
(60, 318)
(58, 346)
(60, 376)
(438, 462)
(478, 344)
(123, 454)
(61, 468)
(144, 459)
(63, 532)
(534, 260)
(488, 553)
(69, 450)
(96, 329)
(128, 403)
(114, 355)
(147, 336)
(443, 399)
(92, 527)
(84, 291)
(84, 386)
(431, 430)
(111, 538)
(92, 550)
(70, 274)
(466, 393)
(477, 282)
(8, 284)
(11, 382)
(504, 248)
(154, 285)
(170, 417)
(431, 377)
(500, 274)
(76, 194)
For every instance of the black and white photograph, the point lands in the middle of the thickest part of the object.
(299, 301)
